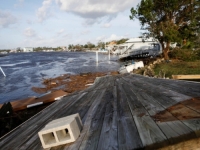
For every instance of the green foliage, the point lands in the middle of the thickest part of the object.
(85, 46)
(121, 41)
(177, 68)
(90, 45)
(38, 49)
(168, 20)
(71, 46)
(185, 54)
(101, 45)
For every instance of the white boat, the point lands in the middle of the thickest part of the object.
(138, 47)
(129, 67)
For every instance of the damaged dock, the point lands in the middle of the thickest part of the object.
(121, 112)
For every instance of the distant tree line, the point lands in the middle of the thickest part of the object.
(46, 48)
(90, 46)
(77, 47)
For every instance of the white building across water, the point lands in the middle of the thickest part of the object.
(28, 49)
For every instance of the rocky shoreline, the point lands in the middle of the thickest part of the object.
(148, 69)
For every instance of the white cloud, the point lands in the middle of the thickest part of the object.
(85, 32)
(106, 25)
(89, 21)
(92, 10)
(19, 4)
(29, 32)
(67, 35)
(42, 12)
(7, 19)
(61, 31)
(29, 21)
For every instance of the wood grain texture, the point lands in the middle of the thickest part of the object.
(118, 112)
(128, 136)
(108, 138)
(149, 131)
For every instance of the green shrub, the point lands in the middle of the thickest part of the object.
(177, 68)
(185, 54)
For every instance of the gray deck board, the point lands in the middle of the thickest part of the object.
(88, 117)
(117, 113)
(185, 87)
(108, 138)
(163, 100)
(128, 136)
(149, 131)
(91, 138)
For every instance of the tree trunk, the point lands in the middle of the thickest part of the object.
(166, 51)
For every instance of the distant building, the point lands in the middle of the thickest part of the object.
(64, 48)
(13, 51)
(111, 45)
(28, 49)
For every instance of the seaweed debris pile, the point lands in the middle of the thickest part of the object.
(70, 83)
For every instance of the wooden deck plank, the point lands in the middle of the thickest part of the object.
(103, 82)
(180, 86)
(128, 136)
(155, 92)
(108, 138)
(91, 139)
(117, 116)
(80, 105)
(96, 98)
(173, 130)
(192, 124)
(87, 123)
(176, 131)
(70, 111)
(185, 77)
(193, 104)
(98, 81)
(39, 124)
(36, 123)
(178, 97)
(150, 133)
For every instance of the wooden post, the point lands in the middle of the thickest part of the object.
(2, 72)
(186, 77)
(96, 57)
(109, 54)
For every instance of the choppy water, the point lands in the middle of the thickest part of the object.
(25, 70)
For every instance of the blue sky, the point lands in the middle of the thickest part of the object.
(33, 23)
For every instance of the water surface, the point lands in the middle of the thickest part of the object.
(25, 70)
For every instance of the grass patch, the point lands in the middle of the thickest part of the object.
(178, 68)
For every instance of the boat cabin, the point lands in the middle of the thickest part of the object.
(138, 47)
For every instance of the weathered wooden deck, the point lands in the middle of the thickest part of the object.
(120, 112)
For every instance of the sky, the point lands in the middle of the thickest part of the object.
(53, 23)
